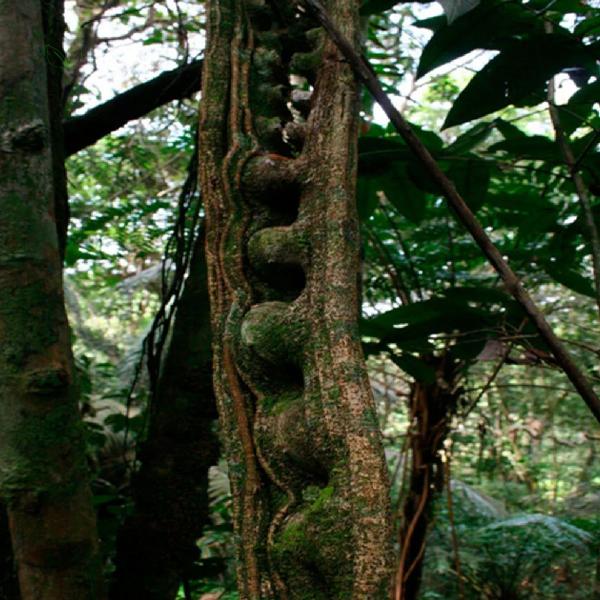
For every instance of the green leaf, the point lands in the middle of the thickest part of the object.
(420, 176)
(431, 140)
(579, 108)
(156, 37)
(398, 189)
(508, 130)
(410, 314)
(534, 147)
(420, 320)
(432, 23)
(376, 154)
(408, 199)
(518, 75)
(478, 294)
(468, 347)
(590, 26)
(570, 279)
(471, 176)
(470, 139)
(371, 7)
(366, 195)
(415, 367)
(490, 25)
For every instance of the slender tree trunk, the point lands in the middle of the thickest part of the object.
(308, 476)
(156, 547)
(43, 470)
(432, 406)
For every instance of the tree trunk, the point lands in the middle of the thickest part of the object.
(43, 470)
(432, 407)
(307, 470)
(156, 547)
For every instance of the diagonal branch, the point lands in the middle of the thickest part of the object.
(87, 129)
(365, 72)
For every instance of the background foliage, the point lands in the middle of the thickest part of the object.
(521, 519)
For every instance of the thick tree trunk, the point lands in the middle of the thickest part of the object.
(43, 470)
(156, 547)
(308, 476)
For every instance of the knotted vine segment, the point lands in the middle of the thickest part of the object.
(298, 423)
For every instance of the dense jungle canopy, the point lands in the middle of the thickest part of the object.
(262, 337)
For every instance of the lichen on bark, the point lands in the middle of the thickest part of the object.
(297, 416)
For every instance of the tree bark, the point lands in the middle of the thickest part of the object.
(156, 547)
(307, 470)
(43, 470)
(54, 29)
(431, 408)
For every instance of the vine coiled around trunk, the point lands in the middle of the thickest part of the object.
(297, 417)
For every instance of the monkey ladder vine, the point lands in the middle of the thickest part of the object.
(298, 423)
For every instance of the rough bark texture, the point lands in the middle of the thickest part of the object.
(43, 471)
(156, 547)
(306, 465)
(54, 29)
(432, 407)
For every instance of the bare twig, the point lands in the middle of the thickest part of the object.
(363, 71)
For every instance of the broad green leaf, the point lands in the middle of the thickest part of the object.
(587, 143)
(589, 26)
(406, 315)
(471, 176)
(418, 321)
(371, 7)
(478, 294)
(470, 139)
(403, 194)
(508, 130)
(468, 347)
(432, 23)
(490, 25)
(519, 73)
(570, 278)
(415, 367)
(376, 154)
(534, 147)
(431, 140)
(398, 189)
(453, 9)
(366, 195)
(576, 112)
(421, 178)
